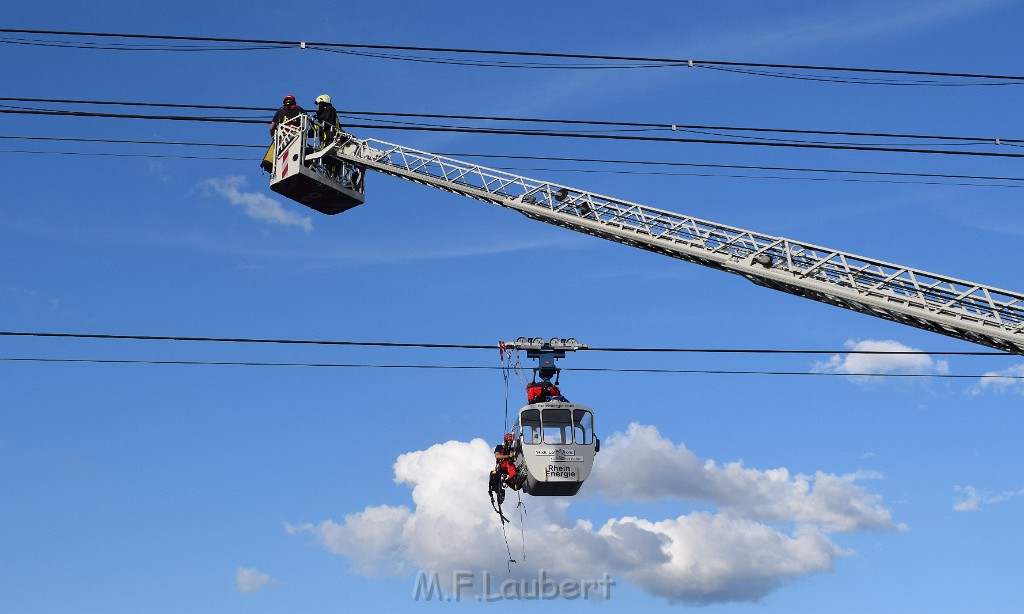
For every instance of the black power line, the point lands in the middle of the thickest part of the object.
(734, 166)
(224, 158)
(125, 141)
(543, 133)
(490, 118)
(187, 118)
(653, 163)
(465, 346)
(752, 176)
(558, 170)
(210, 363)
(680, 62)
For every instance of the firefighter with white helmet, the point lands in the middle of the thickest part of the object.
(327, 116)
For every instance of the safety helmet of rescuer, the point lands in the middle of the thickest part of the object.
(323, 98)
(288, 97)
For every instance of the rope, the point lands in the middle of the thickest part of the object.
(510, 559)
(522, 521)
(507, 366)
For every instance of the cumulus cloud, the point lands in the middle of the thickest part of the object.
(970, 499)
(770, 526)
(250, 580)
(855, 364)
(723, 558)
(256, 205)
(641, 465)
(1007, 380)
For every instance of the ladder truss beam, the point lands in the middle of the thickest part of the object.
(965, 310)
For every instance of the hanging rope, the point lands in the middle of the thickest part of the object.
(496, 490)
(522, 522)
(505, 355)
(509, 366)
(511, 560)
(498, 481)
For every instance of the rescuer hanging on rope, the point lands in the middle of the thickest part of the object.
(504, 457)
(504, 474)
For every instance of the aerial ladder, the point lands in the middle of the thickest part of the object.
(328, 176)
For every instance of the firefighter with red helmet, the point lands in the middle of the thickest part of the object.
(289, 109)
(504, 474)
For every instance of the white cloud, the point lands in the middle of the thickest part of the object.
(722, 558)
(876, 20)
(468, 249)
(642, 465)
(854, 364)
(256, 205)
(1011, 379)
(771, 527)
(371, 539)
(157, 168)
(250, 580)
(971, 499)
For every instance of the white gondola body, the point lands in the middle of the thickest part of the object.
(556, 446)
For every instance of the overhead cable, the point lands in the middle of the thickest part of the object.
(464, 346)
(626, 162)
(356, 114)
(678, 62)
(206, 363)
(545, 133)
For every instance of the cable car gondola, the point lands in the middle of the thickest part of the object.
(553, 442)
(555, 445)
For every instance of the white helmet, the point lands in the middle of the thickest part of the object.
(323, 98)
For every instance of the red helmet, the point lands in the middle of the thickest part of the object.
(509, 438)
(288, 97)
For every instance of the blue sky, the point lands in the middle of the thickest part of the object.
(170, 488)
